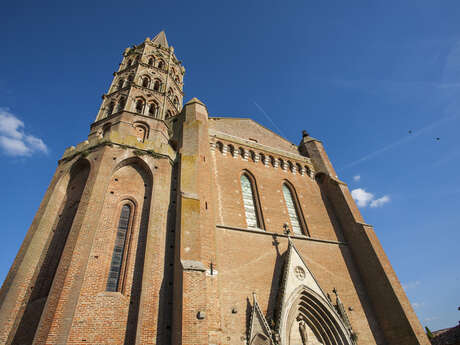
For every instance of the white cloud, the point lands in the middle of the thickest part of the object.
(364, 198)
(410, 285)
(13, 140)
(380, 201)
(357, 177)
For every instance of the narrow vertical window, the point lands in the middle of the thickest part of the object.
(119, 250)
(157, 85)
(250, 203)
(292, 210)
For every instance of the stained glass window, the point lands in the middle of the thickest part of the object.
(292, 210)
(119, 249)
(249, 202)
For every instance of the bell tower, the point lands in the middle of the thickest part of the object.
(96, 265)
(149, 82)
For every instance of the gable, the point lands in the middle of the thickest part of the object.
(248, 129)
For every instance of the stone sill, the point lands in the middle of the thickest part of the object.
(263, 232)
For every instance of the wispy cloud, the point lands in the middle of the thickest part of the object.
(380, 201)
(428, 319)
(418, 305)
(411, 285)
(356, 177)
(364, 199)
(268, 118)
(414, 134)
(13, 140)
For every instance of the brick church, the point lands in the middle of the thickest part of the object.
(169, 226)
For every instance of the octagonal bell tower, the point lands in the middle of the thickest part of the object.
(96, 264)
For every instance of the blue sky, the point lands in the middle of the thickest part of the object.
(377, 81)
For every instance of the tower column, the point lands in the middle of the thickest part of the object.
(195, 322)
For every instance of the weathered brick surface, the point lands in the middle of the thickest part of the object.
(191, 263)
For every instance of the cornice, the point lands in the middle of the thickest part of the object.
(118, 113)
(116, 91)
(147, 89)
(244, 142)
(152, 67)
(136, 151)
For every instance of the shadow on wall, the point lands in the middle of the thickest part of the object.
(166, 289)
(63, 223)
(134, 303)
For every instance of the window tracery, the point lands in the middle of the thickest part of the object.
(293, 211)
(250, 202)
(118, 256)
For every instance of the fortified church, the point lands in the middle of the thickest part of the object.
(169, 226)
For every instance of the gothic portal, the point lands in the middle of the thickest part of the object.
(168, 226)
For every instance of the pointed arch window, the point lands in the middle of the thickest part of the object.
(110, 108)
(251, 202)
(161, 64)
(140, 106)
(293, 209)
(153, 109)
(119, 250)
(145, 81)
(151, 61)
(120, 83)
(121, 104)
(157, 85)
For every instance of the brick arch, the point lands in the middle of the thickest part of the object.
(143, 166)
(142, 130)
(131, 182)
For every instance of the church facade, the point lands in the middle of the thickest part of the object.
(168, 226)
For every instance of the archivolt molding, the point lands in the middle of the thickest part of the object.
(305, 308)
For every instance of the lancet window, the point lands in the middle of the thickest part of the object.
(145, 81)
(121, 104)
(153, 109)
(118, 256)
(140, 106)
(293, 210)
(110, 108)
(250, 202)
(157, 85)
